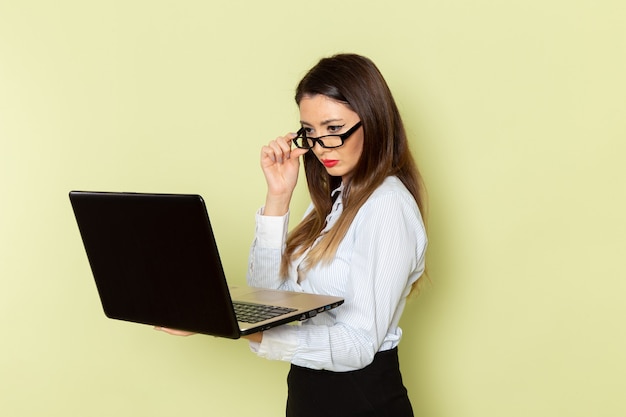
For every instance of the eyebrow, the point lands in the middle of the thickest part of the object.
(324, 123)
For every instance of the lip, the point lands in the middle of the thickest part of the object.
(329, 163)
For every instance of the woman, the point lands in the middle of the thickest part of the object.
(362, 238)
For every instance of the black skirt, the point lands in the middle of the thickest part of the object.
(376, 390)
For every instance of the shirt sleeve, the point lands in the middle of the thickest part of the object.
(387, 247)
(266, 251)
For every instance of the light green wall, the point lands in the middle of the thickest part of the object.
(516, 110)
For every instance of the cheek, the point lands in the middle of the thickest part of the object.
(357, 148)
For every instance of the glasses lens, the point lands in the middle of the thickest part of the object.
(331, 141)
(304, 143)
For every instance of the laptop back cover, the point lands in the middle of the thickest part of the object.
(155, 261)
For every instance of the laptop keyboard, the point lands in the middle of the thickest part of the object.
(254, 313)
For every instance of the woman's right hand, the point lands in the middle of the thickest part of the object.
(174, 332)
(280, 164)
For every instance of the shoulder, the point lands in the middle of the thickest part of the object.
(389, 215)
(391, 185)
(390, 198)
(392, 190)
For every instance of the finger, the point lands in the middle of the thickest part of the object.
(281, 149)
(298, 152)
(174, 332)
(268, 153)
(288, 148)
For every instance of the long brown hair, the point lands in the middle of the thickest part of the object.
(355, 81)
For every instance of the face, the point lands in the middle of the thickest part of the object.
(321, 115)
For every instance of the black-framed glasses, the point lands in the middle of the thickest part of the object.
(328, 142)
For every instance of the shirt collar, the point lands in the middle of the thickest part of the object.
(337, 190)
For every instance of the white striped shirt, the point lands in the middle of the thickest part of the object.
(381, 256)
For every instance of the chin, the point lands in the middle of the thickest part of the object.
(335, 172)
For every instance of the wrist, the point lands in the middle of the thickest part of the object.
(276, 205)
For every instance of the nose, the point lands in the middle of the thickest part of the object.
(318, 149)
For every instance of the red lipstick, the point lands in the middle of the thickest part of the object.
(329, 163)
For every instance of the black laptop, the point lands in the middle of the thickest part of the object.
(155, 261)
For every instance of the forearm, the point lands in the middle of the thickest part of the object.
(336, 348)
(266, 250)
(277, 204)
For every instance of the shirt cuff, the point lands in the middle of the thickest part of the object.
(279, 344)
(271, 231)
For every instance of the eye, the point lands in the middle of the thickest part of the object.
(335, 129)
(306, 130)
